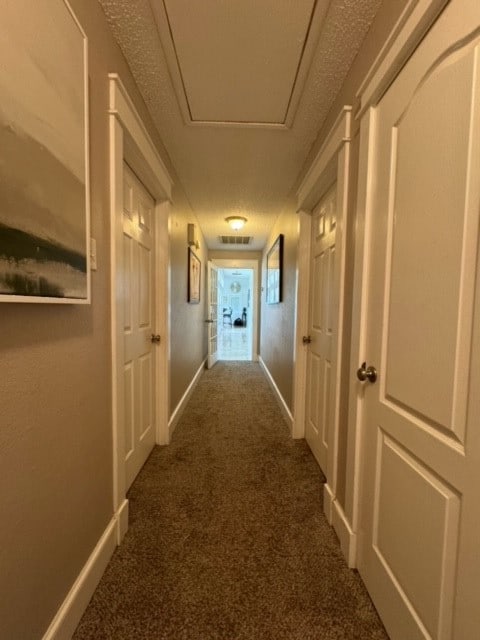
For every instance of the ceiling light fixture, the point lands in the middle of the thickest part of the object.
(236, 222)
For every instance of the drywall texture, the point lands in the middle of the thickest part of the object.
(55, 421)
(277, 336)
(383, 23)
(188, 330)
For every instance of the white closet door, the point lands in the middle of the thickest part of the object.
(212, 320)
(420, 517)
(139, 334)
(322, 328)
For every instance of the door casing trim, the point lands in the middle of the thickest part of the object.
(234, 263)
(130, 141)
(412, 25)
(332, 164)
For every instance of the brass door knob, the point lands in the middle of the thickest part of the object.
(155, 338)
(306, 339)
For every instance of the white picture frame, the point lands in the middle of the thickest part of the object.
(275, 272)
(44, 172)
(194, 277)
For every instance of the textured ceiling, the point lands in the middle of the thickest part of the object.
(213, 82)
(236, 170)
(216, 83)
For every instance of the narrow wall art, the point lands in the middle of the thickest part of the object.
(275, 271)
(44, 192)
(194, 268)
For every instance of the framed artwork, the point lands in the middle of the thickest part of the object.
(44, 190)
(275, 271)
(194, 270)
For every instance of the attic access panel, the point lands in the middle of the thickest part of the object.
(241, 62)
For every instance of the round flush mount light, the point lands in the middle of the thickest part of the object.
(236, 222)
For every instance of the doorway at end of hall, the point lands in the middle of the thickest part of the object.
(235, 314)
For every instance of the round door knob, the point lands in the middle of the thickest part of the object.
(306, 339)
(155, 338)
(365, 373)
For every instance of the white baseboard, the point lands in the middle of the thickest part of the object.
(337, 519)
(122, 521)
(68, 616)
(287, 414)
(172, 423)
(328, 500)
(348, 539)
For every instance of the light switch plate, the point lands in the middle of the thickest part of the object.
(93, 254)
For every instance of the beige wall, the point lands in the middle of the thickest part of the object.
(232, 254)
(55, 419)
(188, 332)
(277, 336)
(385, 19)
(55, 435)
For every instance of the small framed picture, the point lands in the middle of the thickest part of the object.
(194, 269)
(275, 271)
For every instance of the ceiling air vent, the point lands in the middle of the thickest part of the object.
(236, 239)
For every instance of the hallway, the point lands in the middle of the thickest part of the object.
(332, 147)
(227, 537)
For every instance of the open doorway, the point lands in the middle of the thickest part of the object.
(235, 314)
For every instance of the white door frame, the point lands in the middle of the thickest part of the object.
(212, 358)
(224, 263)
(331, 164)
(301, 323)
(130, 142)
(414, 22)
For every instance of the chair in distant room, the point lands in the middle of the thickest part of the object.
(227, 316)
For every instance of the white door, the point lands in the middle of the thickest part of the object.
(212, 320)
(419, 551)
(322, 328)
(139, 333)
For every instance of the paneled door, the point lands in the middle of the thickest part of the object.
(212, 320)
(419, 551)
(322, 327)
(139, 334)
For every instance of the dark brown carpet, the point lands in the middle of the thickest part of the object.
(227, 539)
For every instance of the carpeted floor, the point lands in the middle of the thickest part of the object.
(227, 538)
